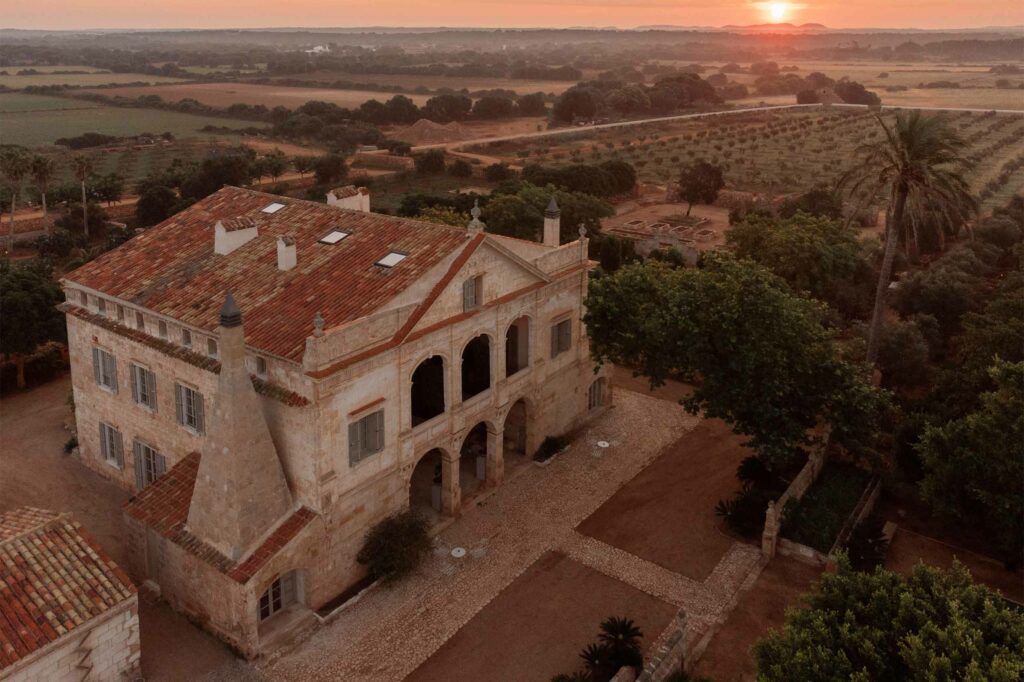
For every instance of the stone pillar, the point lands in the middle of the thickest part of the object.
(495, 457)
(451, 492)
(771, 530)
(552, 224)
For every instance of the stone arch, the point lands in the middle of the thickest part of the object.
(475, 368)
(427, 397)
(431, 486)
(517, 339)
(517, 425)
(597, 394)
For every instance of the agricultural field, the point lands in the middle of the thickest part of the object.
(775, 152)
(35, 120)
(48, 76)
(414, 83)
(225, 94)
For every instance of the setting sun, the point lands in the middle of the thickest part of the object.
(777, 11)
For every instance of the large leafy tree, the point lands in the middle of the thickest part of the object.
(28, 300)
(759, 355)
(883, 627)
(919, 164)
(15, 164)
(519, 212)
(814, 254)
(700, 183)
(82, 169)
(42, 170)
(974, 466)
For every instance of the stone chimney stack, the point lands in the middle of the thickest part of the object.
(241, 493)
(552, 224)
(286, 256)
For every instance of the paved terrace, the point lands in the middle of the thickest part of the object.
(520, 531)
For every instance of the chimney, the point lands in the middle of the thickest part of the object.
(241, 493)
(230, 234)
(286, 257)
(350, 197)
(552, 224)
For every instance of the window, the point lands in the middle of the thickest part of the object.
(149, 464)
(186, 338)
(111, 446)
(162, 328)
(272, 208)
(333, 237)
(595, 396)
(281, 594)
(143, 386)
(473, 293)
(365, 437)
(140, 322)
(392, 259)
(261, 367)
(561, 337)
(101, 305)
(83, 297)
(105, 369)
(211, 347)
(120, 313)
(189, 405)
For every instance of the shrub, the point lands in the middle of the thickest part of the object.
(395, 546)
(819, 516)
(551, 446)
(867, 545)
(498, 172)
(460, 169)
(430, 162)
(70, 444)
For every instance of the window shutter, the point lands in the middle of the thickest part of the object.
(468, 290)
(140, 481)
(379, 422)
(554, 341)
(200, 416)
(178, 406)
(96, 369)
(133, 372)
(118, 444)
(103, 441)
(159, 465)
(355, 445)
(151, 385)
(112, 366)
(566, 334)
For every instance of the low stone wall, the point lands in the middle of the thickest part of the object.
(670, 654)
(773, 516)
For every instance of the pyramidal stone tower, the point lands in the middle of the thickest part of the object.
(240, 494)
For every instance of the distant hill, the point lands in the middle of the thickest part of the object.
(772, 28)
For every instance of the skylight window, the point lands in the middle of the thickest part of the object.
(334, 237)
(392, 259)
(272, 208)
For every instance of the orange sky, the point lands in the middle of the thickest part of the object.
(64, 14)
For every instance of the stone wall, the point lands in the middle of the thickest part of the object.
(105, 648)
(775, 513)
(671, 652)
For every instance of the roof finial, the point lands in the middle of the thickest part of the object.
(318, 324)
(582, 231)
(552, 211)
(230, 314)
(475, 223)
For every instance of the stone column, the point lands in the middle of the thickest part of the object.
(451, 492)
(495, 457)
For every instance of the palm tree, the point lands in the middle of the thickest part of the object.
(81, 166)
(42, 170)
(622, 637)
(918, 162)
(14, 165)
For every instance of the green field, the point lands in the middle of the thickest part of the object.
(35, 120)
(95, 77)
(773, 152)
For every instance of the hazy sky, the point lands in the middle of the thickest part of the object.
(65, 14)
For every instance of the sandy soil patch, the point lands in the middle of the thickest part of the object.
(536, 627)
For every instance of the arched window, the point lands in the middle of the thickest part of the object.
(476, 366)
(427, 392)
(517, 346)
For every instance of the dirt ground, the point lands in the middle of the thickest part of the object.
(728, 657)
(34, 471)
(536, 627)
(717, 216)
(666, 514)
(908, 548)
(224, 94)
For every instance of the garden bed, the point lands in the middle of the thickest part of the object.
(818, 517)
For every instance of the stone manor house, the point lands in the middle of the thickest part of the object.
(272, 377)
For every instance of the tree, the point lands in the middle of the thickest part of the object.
(852, 92)
(575, 103)
(447, 107)
(494, 106)
(974, 465)
(880, 626)
(460, 168)
(445, 215)
(430, 162)
(42, 170)
(759, 355)
(532, 105)
(395, 546)
(700, 183)
(303, 164)
(108, 188)
(155, 205)
(330, 168)
(918, 163)
(498, 172)
(28, 306)
(15, 164)
(401, 109)
(234, 166)
(513, 216)
(81, 168)
(275, 164)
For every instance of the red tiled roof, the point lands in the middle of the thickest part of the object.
(54, 578)
(172, 269)
(163, 506)
(344, 192)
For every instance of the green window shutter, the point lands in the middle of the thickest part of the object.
(140, 480)
(355, 445)
(200, 412)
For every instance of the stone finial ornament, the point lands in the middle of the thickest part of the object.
(230, 314)
(475, 223)
(318, 325)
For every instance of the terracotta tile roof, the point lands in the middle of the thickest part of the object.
(345, 192)
(279, 393)
(172, 269)
(163, 506)
(54, 578)
(242, 222)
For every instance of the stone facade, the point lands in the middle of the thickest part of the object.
(311, 408)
